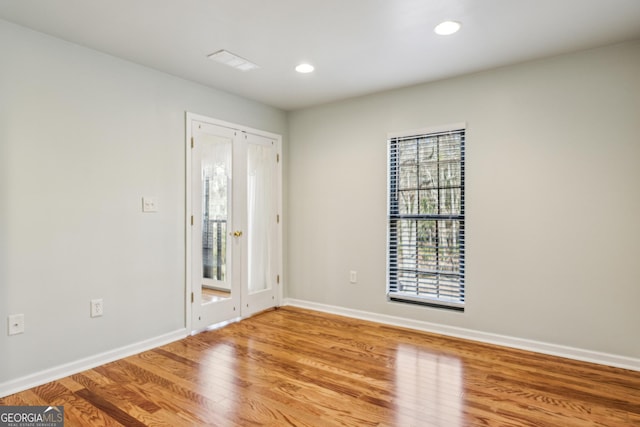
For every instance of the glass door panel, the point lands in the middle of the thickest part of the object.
(216, 197)
(261, 215)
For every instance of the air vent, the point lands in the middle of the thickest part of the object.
(233, 60)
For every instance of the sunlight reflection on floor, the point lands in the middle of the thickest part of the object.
(433, 382)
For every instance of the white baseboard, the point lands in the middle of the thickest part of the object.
(61, 371)
(485, 337)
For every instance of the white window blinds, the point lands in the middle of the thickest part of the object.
(426, 218)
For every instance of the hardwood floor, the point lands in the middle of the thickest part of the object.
(302, 368)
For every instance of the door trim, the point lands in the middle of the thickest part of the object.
(189, 119)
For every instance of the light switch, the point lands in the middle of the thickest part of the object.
(353, 276)
(149, 204)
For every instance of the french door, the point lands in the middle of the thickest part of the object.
(234, 228)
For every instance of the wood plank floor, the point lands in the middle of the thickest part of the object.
(295, 367)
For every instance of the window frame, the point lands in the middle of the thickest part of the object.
(393, 291)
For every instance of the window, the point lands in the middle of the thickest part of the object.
(426, 217)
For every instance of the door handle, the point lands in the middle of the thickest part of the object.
(237, 233)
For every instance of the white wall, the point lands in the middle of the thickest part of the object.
(553, 199)
(83, 136)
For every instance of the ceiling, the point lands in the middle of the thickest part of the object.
(357, 46)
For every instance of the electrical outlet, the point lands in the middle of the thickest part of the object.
(97, 308)
(149, 204)
(16, 324)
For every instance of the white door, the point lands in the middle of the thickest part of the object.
(235, 231)
(215, 290)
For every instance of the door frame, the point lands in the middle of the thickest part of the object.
(189, 119)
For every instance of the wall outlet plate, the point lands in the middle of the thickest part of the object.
(16, 324)
(149, 204)
(97, 307)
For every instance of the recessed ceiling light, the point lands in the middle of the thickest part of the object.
(447, 28)
(305, 68)
(233, 60)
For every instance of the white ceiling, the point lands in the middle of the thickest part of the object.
(357, 46)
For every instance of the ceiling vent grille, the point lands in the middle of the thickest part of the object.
(233, 60)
